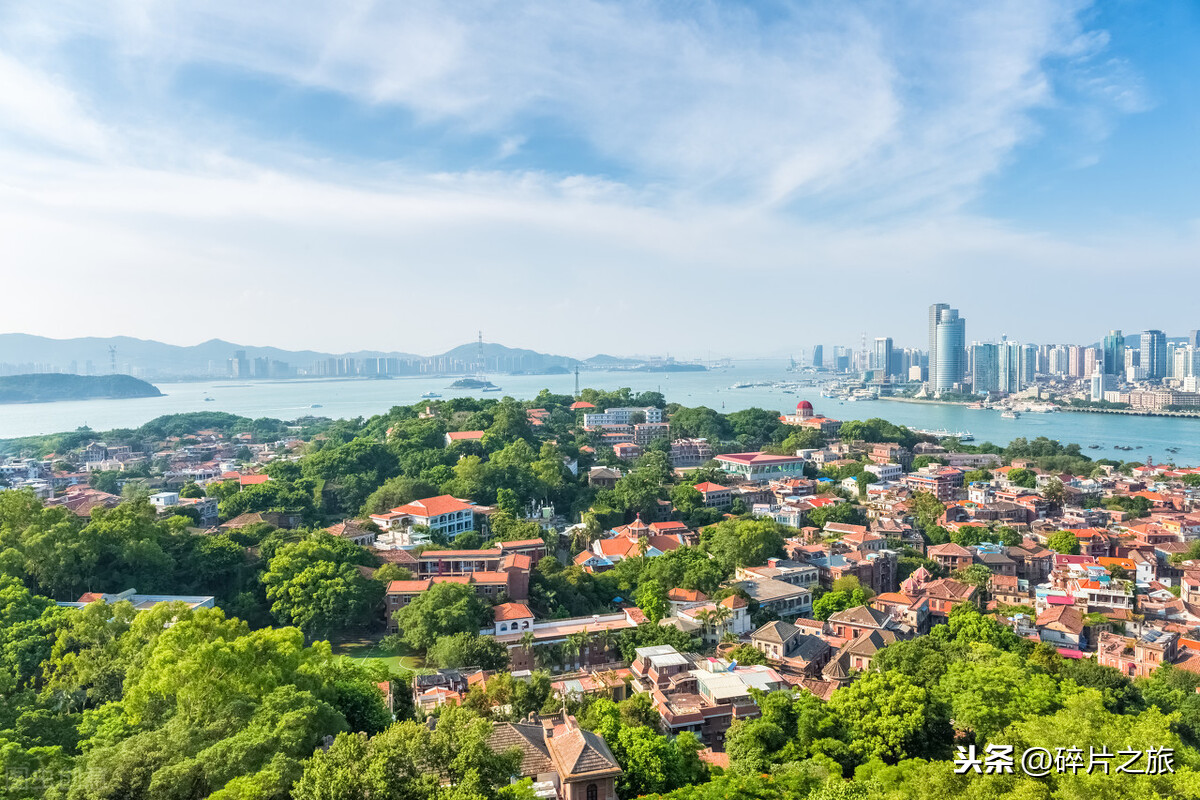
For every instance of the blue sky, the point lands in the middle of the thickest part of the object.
(581, 176)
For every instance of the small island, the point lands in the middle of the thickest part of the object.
(472, 383)
(54, 387)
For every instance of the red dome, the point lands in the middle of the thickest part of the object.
(804, 405)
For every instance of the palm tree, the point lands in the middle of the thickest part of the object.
(548, 656)
(605, 639)
(573, 646)
(722, 614)
(527, 640)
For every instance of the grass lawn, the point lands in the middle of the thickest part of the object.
(368, 647)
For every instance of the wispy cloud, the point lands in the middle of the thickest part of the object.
(829, 140)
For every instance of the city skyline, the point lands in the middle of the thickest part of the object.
(495, 166)
(802, 351)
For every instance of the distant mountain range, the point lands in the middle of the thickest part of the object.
(23, 353)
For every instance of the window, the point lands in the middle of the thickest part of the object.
(592, 791)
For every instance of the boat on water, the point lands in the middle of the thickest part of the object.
(209, 399)
(1010, 414)
(491, 389)
(316, 405)
(430, 395)
(942, 433)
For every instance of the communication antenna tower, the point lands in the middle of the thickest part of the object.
(112, 358)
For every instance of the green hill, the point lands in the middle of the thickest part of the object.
(50, 387)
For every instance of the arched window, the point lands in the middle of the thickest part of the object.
(591, 791)
(503, 626)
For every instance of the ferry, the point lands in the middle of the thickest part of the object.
(942, 433)
(491, 389)
(1010, 414)
(430, 395)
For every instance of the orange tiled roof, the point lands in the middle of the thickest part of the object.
(507, 611)
(433, 506)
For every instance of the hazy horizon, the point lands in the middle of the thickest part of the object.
(709, 180)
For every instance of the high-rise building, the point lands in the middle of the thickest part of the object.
(842, 360)
(1056, 360)
(1102, 382)
(1092, 360)
(1114, 353)
(818, 359)
(935, 313)
(1185, 362)
(951, 355)
(1011, 365)
(1031, 364)
(239, 365)
(882, 359)
(1075, 361)
(1154, 355)
(1193, 339)
(985, 375)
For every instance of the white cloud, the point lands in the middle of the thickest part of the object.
(36, 110)
(781, 173)
(902, 103)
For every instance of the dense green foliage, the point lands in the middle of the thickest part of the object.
(106, 702)
(891, 732)
(47, 387)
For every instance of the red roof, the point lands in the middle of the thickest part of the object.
(580, 404)
(253, 480)
(507, 611)
(705, 487)
(804, 405)
(464, 436)
(407, 587)
(434, 506)
(757, 458)
(686, 595)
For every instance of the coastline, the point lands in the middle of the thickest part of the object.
(1129, 412)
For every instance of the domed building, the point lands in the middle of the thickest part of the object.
(806, 417)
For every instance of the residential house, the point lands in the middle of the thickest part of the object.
(1062, 626)
(715, 495)
(950, 556)
(564, 761)
(443, 514)
(795, 649)
(464, 436)
(687, 453)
